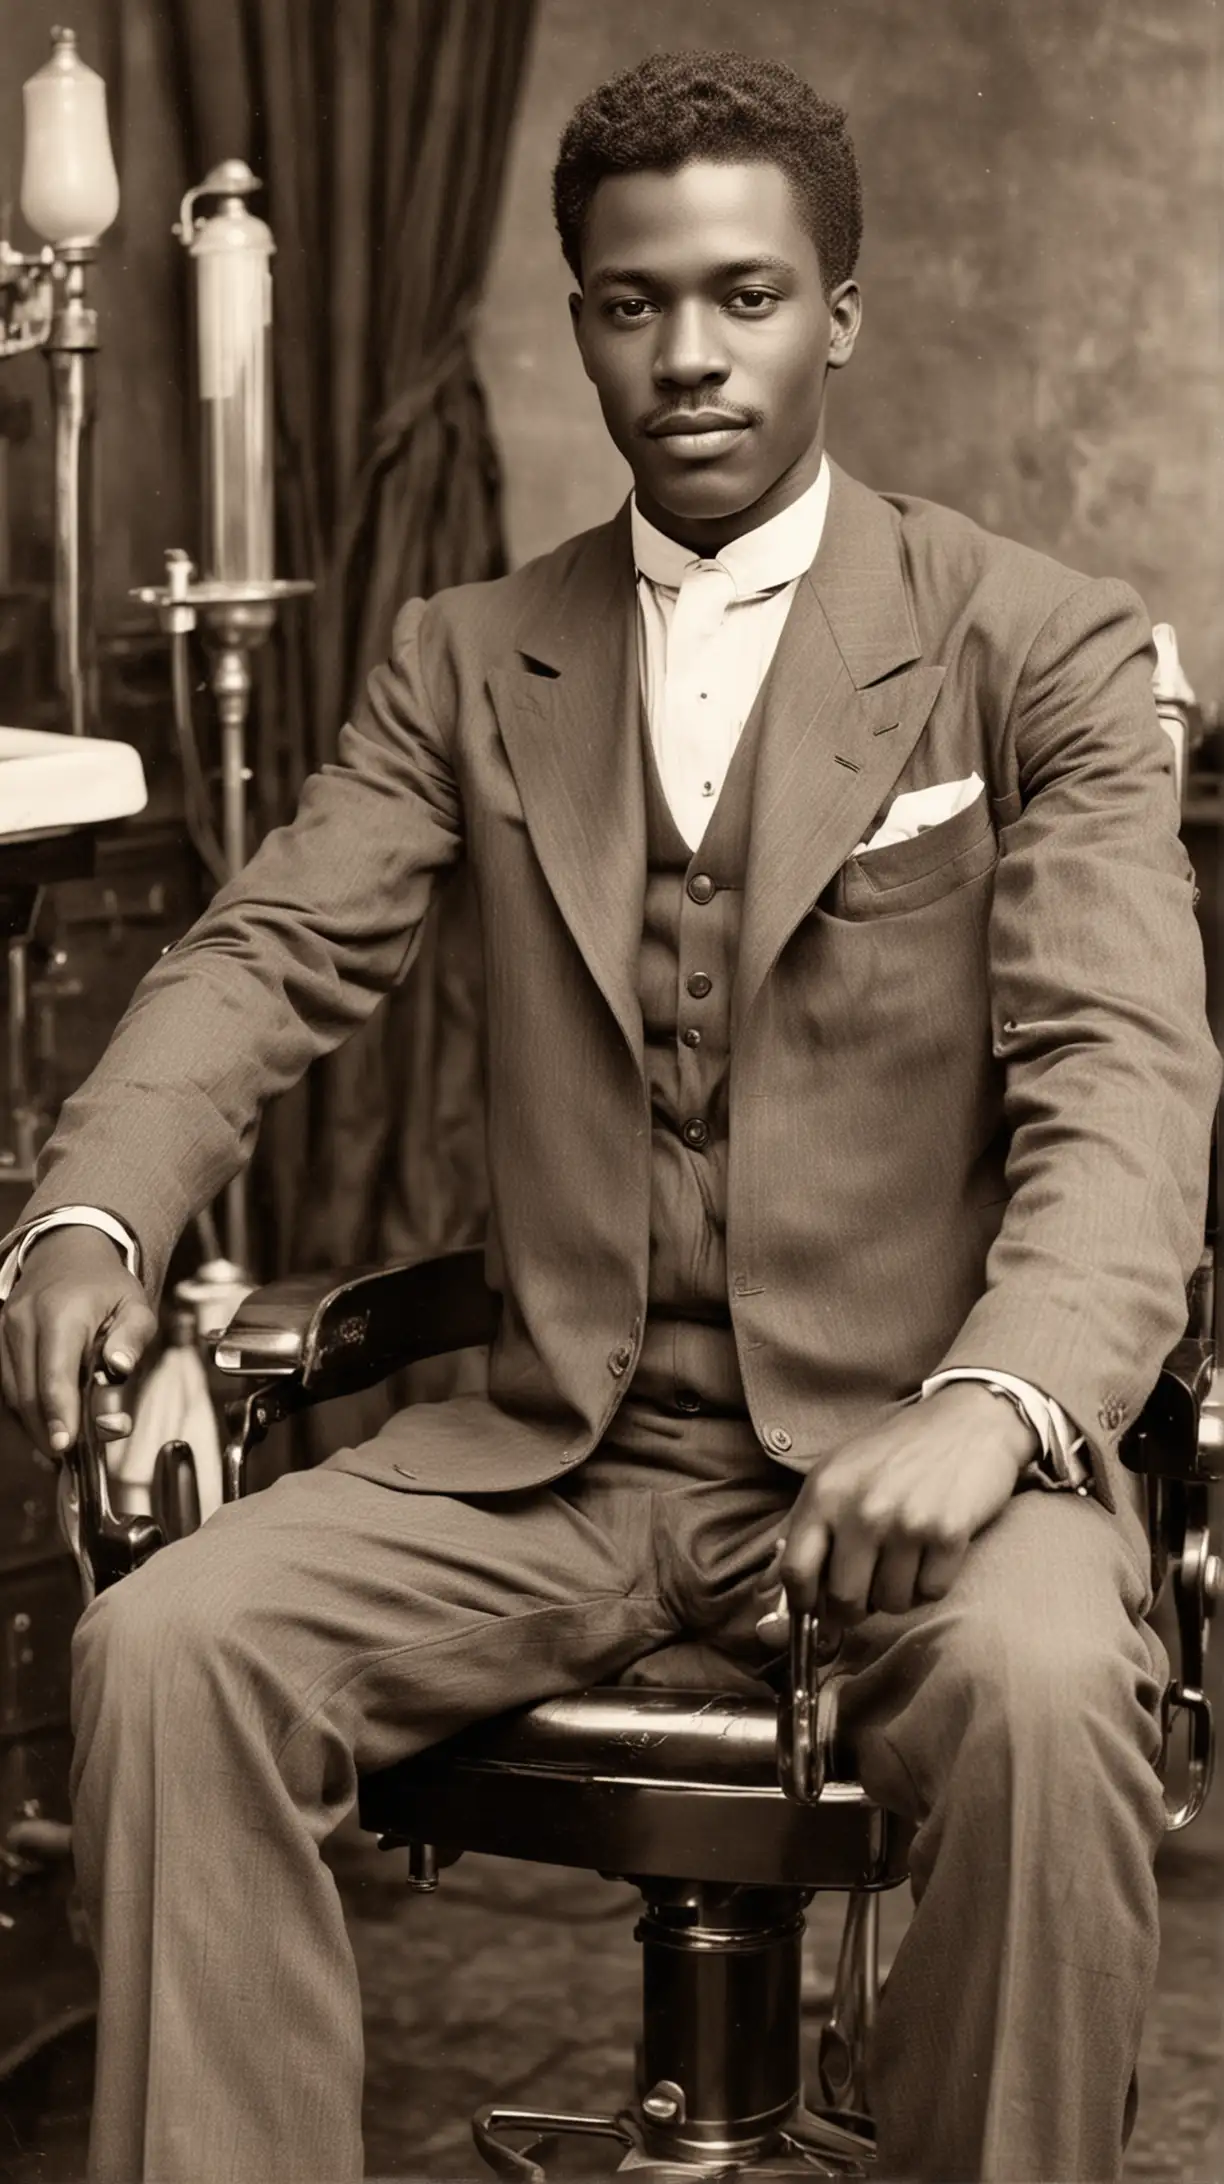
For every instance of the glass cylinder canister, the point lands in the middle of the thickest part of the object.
(233, 259)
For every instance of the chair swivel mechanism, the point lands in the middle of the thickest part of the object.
(728, 1810)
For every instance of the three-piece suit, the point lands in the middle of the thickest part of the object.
(948, 1104)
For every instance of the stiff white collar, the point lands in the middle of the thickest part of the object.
(760, 561)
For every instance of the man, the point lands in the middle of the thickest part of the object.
(849, 1098)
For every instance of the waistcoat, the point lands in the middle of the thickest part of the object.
(690, 940)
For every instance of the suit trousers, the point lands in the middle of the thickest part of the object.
(227, 1695)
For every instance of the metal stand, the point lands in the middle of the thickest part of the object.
(235, 618)
(71, 346)
(42, 306)
(17, 1160)
(721, 2088)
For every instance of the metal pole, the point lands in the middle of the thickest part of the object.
(231, 687)
(17, 1160)
(234, 618)
(19, 1085)
(70, 350)
(231, 682)
(229, 637)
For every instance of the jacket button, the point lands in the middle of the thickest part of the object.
(698, 985)
(1111, 1416)
(777, 1437)
(620, 1359)
(701, 887)
(696, 1133)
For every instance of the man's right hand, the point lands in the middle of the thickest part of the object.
(72, 1280)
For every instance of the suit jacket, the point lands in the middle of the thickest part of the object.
(971, 1083)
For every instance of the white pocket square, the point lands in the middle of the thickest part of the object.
(917, 809)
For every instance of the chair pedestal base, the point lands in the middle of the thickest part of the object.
(824, 2144)
(720, 2086)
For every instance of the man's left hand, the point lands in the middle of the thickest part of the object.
(886, 1522)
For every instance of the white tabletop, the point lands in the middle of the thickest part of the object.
(52, 782)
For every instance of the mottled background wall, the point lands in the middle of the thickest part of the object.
(1043, 343)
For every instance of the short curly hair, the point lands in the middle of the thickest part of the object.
(676, 107)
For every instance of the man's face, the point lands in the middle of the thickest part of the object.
(704, 327)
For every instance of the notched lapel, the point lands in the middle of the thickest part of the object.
(572, 737)
(845, 703)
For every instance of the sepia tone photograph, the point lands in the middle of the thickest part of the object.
(612, 972)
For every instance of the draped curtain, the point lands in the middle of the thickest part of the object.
(380, 128)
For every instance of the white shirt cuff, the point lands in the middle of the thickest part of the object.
(69, 1217)
(1063, 1462)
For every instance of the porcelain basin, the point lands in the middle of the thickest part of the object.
(49, 783)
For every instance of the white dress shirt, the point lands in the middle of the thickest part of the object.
(708, 629)
(69, 1217)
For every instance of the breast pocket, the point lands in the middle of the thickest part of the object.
(909, 875)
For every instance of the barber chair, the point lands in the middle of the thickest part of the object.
(729, 1810)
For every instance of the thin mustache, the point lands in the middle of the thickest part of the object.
(669, 411)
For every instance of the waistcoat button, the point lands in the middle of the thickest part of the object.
(698, 985)
(687, 1400)
(701, 887)
(777, 1437)
(691, 1037)
(696, 1133)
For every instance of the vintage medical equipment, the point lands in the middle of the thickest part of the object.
(231, 595)
(70, 196)
(53, 792)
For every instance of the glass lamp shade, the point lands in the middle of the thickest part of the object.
(69, 188)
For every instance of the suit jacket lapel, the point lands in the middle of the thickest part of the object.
(572, 737)
(844, 704)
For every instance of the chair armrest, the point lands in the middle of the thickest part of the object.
(1179, 1433)
(303, 1341)
(317, 1336)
